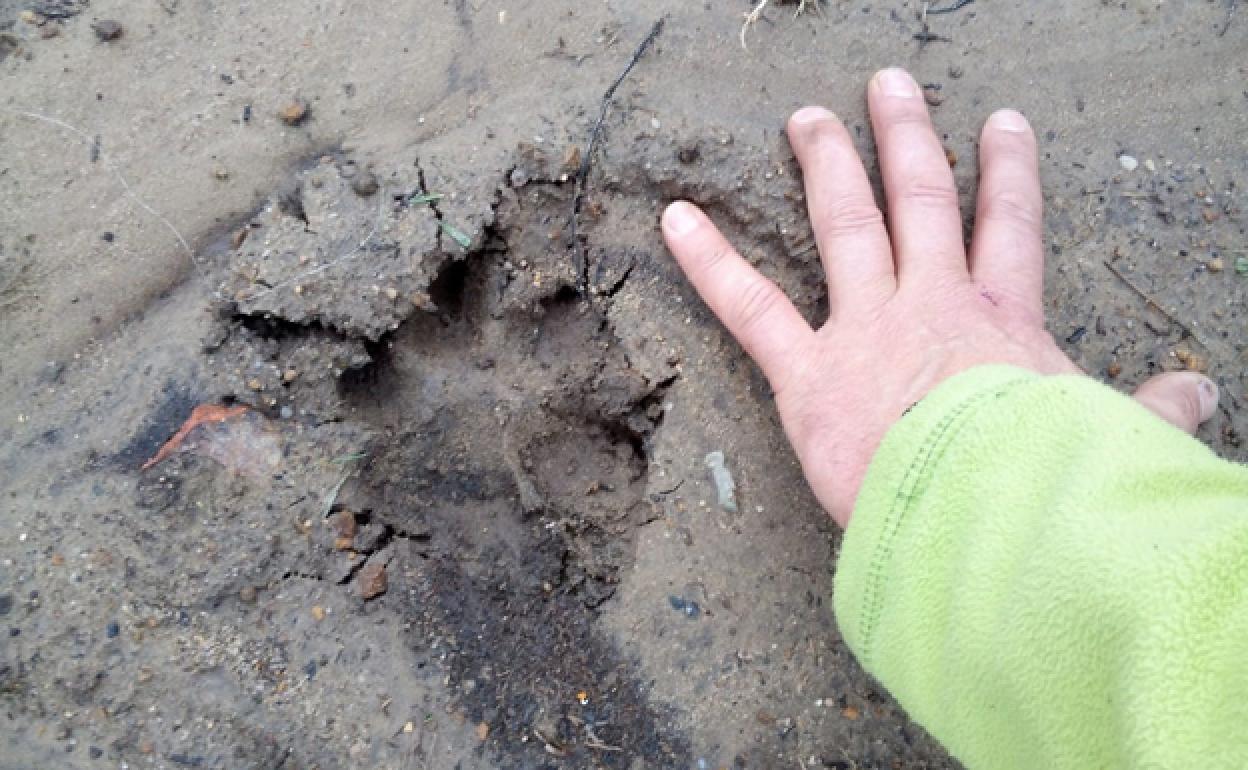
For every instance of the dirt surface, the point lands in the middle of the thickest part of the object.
(451, 507)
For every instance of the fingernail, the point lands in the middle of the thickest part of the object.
(807, 115)
(681, 218)
(897, 82)
(1208, 398)
(1009, 120)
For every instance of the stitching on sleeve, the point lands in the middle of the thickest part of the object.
(908, 491)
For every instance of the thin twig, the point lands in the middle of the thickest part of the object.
(756, 13)
(1155, 303)
(91, 142)
(957, 6)
(587, 161)
(752, 18)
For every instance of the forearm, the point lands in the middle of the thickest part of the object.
(1046, 575)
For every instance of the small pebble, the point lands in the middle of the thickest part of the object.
(372, 581)
(29, 17)
(725, 486)
(107, 31)
(343, 524)
(365, 183)
(1193, 362)
(1128, 162)
(955, 71)
(933, 96)
(572, 158)
(247, 594)
(294, 112)
(113, 629)
(1216, 265)
(1150, 165)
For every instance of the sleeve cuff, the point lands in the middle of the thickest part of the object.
(898, 474)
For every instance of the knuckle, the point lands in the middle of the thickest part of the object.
(758, 301)
(1012, 206)
(927, 191)
(715, 256)
(848, 217)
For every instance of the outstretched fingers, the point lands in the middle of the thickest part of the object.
(753, 308)
(1007, 250)
(848, 225)
(923, 215)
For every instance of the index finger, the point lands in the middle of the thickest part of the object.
(753, 308)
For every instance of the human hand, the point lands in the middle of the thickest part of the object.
(909, 306)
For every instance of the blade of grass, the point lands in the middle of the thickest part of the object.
(415, 199)
(459, 236)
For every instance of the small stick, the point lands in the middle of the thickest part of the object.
(756, 13)
(1150, 300)
(587, 161)
(959, 5)
(752, 18)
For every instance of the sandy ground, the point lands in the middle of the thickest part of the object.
(457, 513)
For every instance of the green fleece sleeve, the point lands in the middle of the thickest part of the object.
(1045, 575)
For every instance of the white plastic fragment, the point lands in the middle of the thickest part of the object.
(724, 484)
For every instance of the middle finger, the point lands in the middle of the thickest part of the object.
(923, 216)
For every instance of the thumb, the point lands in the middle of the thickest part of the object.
(1183, 399)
